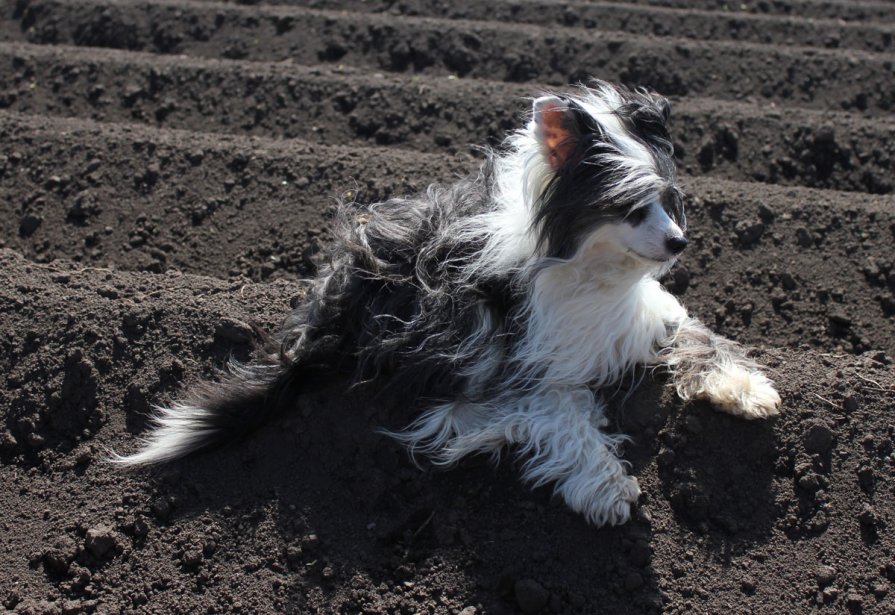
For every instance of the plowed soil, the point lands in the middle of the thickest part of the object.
(168, 168)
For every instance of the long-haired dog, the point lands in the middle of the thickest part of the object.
(506, 301)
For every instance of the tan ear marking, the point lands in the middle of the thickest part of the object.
(553, 131)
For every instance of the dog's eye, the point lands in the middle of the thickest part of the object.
(636, 216)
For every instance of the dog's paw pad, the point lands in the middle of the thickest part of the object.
(749, 394)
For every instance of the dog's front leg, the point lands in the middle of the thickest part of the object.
(560, 434)
(708, 366)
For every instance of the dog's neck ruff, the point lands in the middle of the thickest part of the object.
(590, 323)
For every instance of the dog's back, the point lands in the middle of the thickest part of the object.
(399, 300)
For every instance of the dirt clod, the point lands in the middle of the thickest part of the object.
(825, 575)
(818, 438)
(101, 541)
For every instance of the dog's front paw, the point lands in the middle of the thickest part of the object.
(742, 392)
(602, 501)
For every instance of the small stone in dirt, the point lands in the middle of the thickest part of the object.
(192, 557)
(141, 528)
(101, 541)
(818, 438)
(825, 575)
(749, 232)
(531, 595)
(747, 585)
(880, 590)
(8, 442)
(788, 282)
(809, 482)
(854, 601)
(161, 508)
(867, 518)
(850, 404)
(804, 237)
(35, 440)
(470, 610)
(840, 319)
(28, 224)
(881, 357)
(209, 548)
(866, 478)
(83, 454)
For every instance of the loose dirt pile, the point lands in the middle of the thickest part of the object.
(168, 169)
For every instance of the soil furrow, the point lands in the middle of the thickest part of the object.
(729, 140)
(638, 19)
(157, 199)
(829, 79)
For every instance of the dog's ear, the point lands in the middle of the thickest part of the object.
(648, 118)
(556, 129)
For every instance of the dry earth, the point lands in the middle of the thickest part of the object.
(167, 170)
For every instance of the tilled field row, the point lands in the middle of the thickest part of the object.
(847, 10)
(196, 201)
(737, 141)
(641, 19)
(810, 77)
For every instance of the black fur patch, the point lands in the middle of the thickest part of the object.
(395, 301)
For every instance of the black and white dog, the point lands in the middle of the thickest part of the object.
(506, 301)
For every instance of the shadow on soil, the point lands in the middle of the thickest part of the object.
(346, 501)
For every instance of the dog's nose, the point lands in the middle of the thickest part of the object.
(676, 245)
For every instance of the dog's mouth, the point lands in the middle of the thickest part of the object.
(651, 260)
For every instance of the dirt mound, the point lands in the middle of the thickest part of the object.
(169, 170)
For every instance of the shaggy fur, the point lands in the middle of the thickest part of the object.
(506, 302)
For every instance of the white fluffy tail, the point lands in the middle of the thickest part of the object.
(241, 400)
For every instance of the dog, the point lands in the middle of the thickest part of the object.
(505, 303)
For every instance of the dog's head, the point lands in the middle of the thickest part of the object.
(607, 159)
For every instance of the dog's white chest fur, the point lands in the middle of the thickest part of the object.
(589, 324)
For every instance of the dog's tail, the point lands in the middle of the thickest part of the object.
(244, 397)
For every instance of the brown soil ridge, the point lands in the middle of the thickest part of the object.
(819, 31)
(738, 141)
(820, 78)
